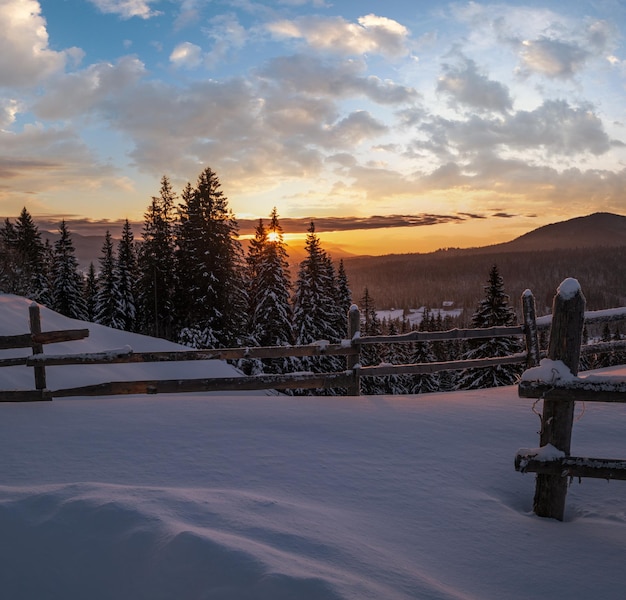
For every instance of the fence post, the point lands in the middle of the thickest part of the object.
(34, 316)
(568, 318)
(530, 329)
(352, 360)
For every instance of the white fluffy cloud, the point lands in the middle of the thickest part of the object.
(127, 8)
(25, 56)
(75, 94)
(186, 56)
(372, 34)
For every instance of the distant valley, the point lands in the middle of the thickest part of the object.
(592, 249)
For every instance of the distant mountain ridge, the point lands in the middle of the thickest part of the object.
(596, 230)
(590, 249)
(600, 229)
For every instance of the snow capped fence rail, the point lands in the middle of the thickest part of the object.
(555, 381)
(349, 379)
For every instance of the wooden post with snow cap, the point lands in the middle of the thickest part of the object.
(568, 317)
(353, 360)
(35, 328)
(530, 329)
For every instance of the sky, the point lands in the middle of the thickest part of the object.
(396, 126)
(257, 497)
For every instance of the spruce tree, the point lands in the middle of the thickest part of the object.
(126, 273)
(157, 267)
(271, 321)
(211, 257)
(371, 354)
(396, 354)
(107, 297)
(423, 353)
(91, 291)
(30, 261)
(313, 320)
(492, 311)
(8, 258)
(67, 283)
(344, 301)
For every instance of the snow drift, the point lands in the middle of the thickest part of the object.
(257, 497)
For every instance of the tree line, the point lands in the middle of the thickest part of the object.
(189, 280)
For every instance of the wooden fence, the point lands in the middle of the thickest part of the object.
(559, 389)
(349, 379)
(350, 348)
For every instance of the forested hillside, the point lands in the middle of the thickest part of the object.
(411, 280)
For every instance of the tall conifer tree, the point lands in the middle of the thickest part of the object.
(157, 267)
(67, 283)
(91, 292)
(211, 257)
(126, 273)
(492, 311)
(107, 297)
(30, 261)
(371, 354)
(269, 295)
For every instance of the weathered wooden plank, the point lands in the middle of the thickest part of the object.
(10, 342)
(127, 356)
(571, 466)
(436, 336)
(435, 367)
(600, 347)
(578, 390)
(13, 362)
(25, 395)
(26, 340)
(177, 386)
(64, 335)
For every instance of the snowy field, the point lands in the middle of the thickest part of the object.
(267, 497)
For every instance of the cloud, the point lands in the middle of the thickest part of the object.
(186, 56)
(40, 161)
(312, 75)
(552, 58)
(227, 34)
(355, 128)
(555, 128)
(372, 34)
(127, 9)
(465, 86)
(25, 56)
(77, 93)
(9, 108)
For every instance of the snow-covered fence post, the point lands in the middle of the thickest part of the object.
(568, 318)
(35, 328)
(530, 329)
(353, 360)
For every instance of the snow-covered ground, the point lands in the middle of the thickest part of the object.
(257, 497)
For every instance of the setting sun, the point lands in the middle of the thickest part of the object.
(273, 236)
